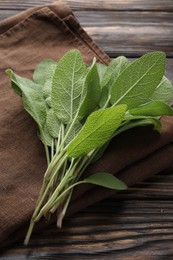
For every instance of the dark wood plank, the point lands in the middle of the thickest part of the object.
(112, 229)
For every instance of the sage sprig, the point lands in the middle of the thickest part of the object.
(80, 108)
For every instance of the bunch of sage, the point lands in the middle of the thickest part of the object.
(80, 108)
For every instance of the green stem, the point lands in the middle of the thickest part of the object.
(64, 209)
(66, 190)
(28, 235)
(55, 193)
(42, 197)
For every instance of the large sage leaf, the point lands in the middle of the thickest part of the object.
(67, 86)
(106, 180)
(138, 81)
(97, 130)
(92, 92)
(32, 97)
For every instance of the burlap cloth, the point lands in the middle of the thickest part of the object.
(25, 40)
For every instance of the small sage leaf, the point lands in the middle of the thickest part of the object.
(92, 93)
(32, 97)
(140, 122)
(52, 124)
(101, 68)
(154, 108)
(114, 69)
(106, 180)
(42, 71)
(163, 92)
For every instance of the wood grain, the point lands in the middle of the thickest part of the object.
(119, 5)
(130, 33)
(138, 223)
(111, 228)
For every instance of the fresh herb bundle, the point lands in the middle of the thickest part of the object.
(80, 108)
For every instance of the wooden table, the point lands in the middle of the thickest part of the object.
(137, 224)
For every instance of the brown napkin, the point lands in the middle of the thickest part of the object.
(26, 39)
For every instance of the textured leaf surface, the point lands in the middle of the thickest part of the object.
(73, 131)
(163, 92)
(101, 68)
(47, 88)
(106, 180)
(154, 108)
(139, 80)
(92, 93)
(53, 124)
(67, 86)
(98, 129)
(42, 71)
(114, 69)
(32, 97)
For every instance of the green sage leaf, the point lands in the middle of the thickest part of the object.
(67, 86)
(72, 133)
(101, 68)
(92, 92)
(139, 80)
(163, 92)
(140, 122)
(106, 180)
(154, 108)
(42, 70)
(97, 130)
(32, 97)
(114, 69)
(53, 124)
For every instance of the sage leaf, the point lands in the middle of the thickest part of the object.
(106, 180)
(163, 92)
(42, 71)
(154, 108)
(140, 122)
(67, 86)
(32, 97)
(114, 69)
(44, 136)
(53, 124)
(97, 130)
(47, 88)
(74, 130)
(101, 68)
(139, 80)
(92, 92)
